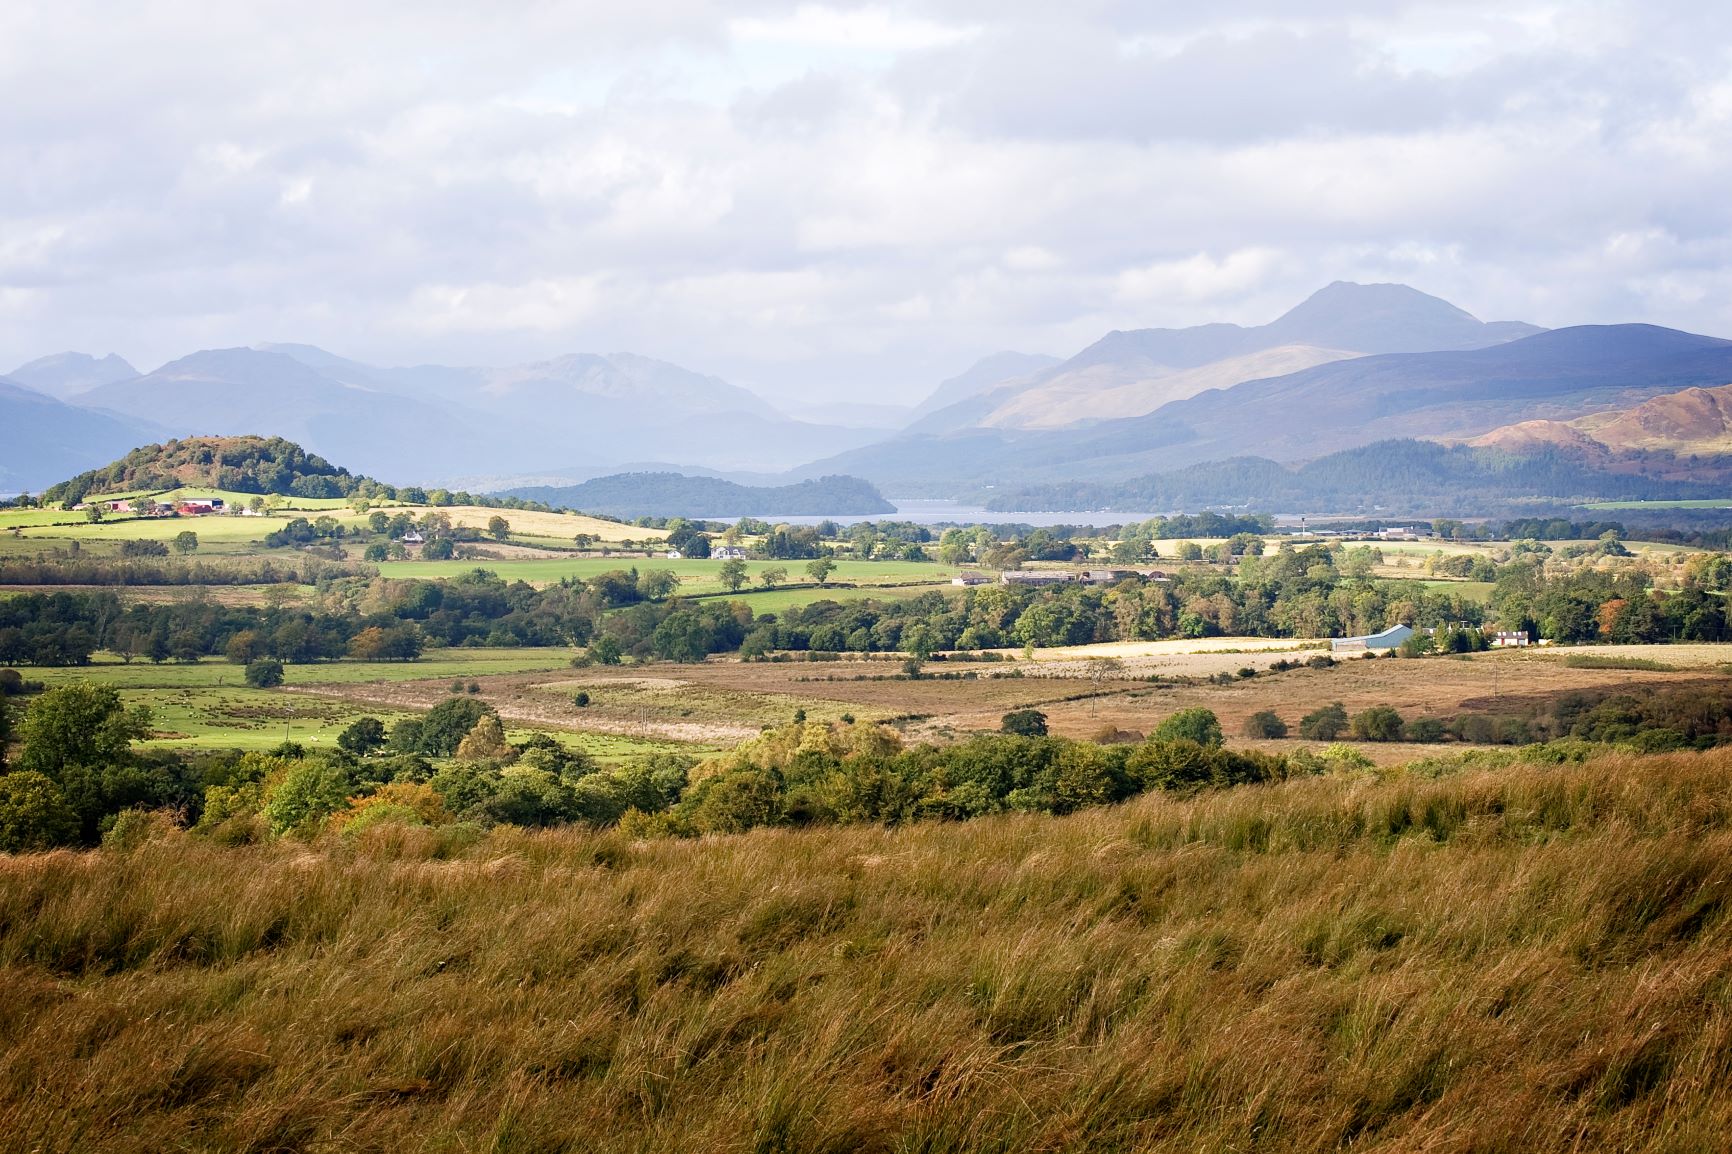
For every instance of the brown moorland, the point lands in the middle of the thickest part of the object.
(1528, 958)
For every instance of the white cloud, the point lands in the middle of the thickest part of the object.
(835, 197)
(870, 29)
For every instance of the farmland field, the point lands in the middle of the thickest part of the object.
(697, 575)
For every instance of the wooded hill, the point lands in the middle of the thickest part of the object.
(1395, 476)
(238, 464)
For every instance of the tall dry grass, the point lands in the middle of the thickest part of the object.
(1534, 958)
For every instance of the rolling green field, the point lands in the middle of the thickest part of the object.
(208, 705)
(696, 575)
(1706, 503)
(1479, 591)
(223, 529)
(213, 672)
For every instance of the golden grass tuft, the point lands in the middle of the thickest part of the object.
(1533, 958)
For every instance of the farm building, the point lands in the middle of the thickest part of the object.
(1390, 638)
(1087, 577)
(967, 579)
(1041, 577)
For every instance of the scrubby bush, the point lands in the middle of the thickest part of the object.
(265, 673)
(1425, 729)
(1024, 723)
(1265, 725)
(1378, 723)
(1324, 724)
(1194, 724)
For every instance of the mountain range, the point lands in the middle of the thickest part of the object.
(1351, 365)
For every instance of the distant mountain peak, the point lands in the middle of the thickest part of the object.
(68, 374)
(1130, 372)
(1345, 296)
(1387, 318)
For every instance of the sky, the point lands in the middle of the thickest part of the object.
(830, 202)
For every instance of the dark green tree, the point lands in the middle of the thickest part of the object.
(1325, 724)
(1195, 724)
(80, 724)
(265, 673)
(448, 723)
(1378, 723)
(1265, 724)
(364, 736)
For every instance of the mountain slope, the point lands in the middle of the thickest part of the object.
(245, 391)
(65, 375)
(1395, 477)
(1694, 421)
(1127, 374)
(603, 410)
(43, 440)
(1131, 388)
(1558, 375)
(1563, 374)
(983, 376)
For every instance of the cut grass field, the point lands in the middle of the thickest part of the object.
(207, 705)
(697, 575)
(1708, 503)
(1530, 958)
(213, 671)
(42, 525)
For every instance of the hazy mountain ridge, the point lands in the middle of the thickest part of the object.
(1400, 477)
(671, 494)
(427, 423)
(43, 439)
(1131, 373)
(65, 375)
(984, 376)
(1556, 375)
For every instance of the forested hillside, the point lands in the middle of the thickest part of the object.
(1394, 476)
(240, 464)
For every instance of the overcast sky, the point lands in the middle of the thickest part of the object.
(834, 201)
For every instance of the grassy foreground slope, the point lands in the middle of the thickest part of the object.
(1532, 958)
